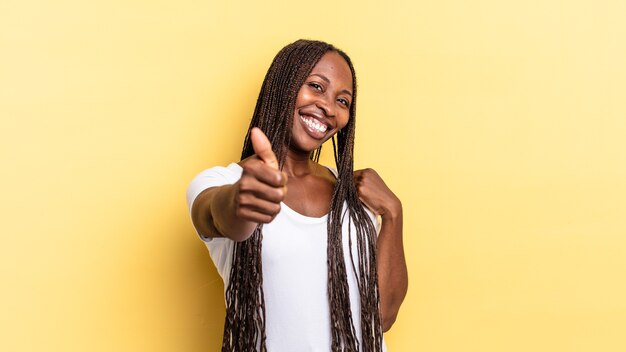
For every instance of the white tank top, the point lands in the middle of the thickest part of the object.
(295, 277)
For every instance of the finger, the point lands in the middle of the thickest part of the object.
(251, 215)
(257, 169)
(358, 176)
(263, 148)
(261, 190)
(366, 202)
(258, 205)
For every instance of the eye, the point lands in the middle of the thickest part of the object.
(344, 102)
(315, 86)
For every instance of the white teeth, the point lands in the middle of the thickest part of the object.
(314, 125)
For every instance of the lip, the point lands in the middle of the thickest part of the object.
(321, 119)
(312, 132)
(318, 118)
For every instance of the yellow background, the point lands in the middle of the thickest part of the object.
(500, 124)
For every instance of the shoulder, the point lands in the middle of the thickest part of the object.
(212, 177)
(231, 171)
(333, 171)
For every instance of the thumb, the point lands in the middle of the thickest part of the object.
(263, 148)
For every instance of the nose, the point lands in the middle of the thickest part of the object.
(325, 104)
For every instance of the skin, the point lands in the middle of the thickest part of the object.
(235, 210)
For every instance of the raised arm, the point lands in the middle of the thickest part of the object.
(235, 210)
(392, 271)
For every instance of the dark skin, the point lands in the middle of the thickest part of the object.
(322, 109)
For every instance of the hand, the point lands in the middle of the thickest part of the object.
(262, 186)
(375, 194)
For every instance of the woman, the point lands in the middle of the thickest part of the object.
(303, 266)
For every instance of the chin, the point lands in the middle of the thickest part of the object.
(301, 148)
(303, 142)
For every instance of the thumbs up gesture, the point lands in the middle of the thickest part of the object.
(262, 186)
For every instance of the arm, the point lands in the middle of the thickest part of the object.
(392, 271)
(235, 210)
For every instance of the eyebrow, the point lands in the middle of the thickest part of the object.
(328, 82)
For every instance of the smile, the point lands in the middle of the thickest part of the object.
(313, 124)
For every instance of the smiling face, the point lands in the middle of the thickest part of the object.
(323, 103)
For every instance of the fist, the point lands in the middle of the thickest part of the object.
(262, 187)
(375, 194)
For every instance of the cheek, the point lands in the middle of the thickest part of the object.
(303, 97)
(342, 119)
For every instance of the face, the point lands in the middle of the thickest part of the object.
(323, 103)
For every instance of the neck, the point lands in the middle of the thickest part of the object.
(298, 164)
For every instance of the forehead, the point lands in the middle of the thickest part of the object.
(334, 67)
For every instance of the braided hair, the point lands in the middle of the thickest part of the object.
(244, 327)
